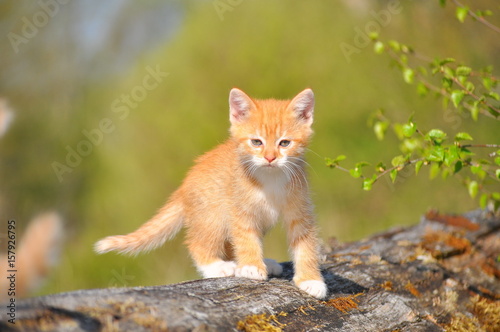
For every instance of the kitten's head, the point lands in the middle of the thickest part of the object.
(271, 133)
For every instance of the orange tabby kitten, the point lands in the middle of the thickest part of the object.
(237, 191)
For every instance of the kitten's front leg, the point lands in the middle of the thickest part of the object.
(303, 242)
(248, 251)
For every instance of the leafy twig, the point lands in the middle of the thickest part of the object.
(480, 18)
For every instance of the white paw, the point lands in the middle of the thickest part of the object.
(316, 288)
(273, 268)
(217, 269)
(251, 272)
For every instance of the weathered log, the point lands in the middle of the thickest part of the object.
(442, 274)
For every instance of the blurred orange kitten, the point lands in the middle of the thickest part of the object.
(237, 191)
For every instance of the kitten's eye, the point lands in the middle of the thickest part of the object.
(284, 143)
(256, 142)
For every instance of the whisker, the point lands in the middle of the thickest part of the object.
(317, 154)
(249, 167)
(296, 173)
(306, 163)
(290, 175)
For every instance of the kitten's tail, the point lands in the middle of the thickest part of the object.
(162, 227)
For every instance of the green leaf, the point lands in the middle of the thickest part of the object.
(448, 72)
(487, 83)
(436, 135)
(446, 101)
(463, 70)
(379, 47)
(497, 161)
(488, 69)
(482, 13)
(398, 130)
(454, 152)
(368, 183)
(458, 167)
(422, 70)
(497, 173)
(398, 161)
(474, 111)
(473, 188)
(462, 79)
(457, 96)
(435, 67)
(355, 172)
(493, 95)
(418, 166)
(445, 173)
(447, 83)
(380, 167)
(406, 49)
(409, 129)
(334, 162)
(461, 13)
(478, 170)
(462, 136)
(408, 75)
(410, 145)
(362, 164)
(395, 45)
(446, 61)
(484, 162)
(339, 158)
(436, 154)
(373, 35)
(470, 87)
(475, 169)
(466, 152)
(410, 119)
(403, 59)
(442, 3)
(451, 155)
(380, 128)
(483, 201)
(493, 111)
(434, 170)
(422, 90)
(393, 174)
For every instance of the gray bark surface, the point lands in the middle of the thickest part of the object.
(441, 274)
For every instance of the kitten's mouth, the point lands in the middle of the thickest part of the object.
(270, 166)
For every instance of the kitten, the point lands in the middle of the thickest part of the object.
(38, 252)
(237, 191)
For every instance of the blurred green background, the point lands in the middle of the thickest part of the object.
(92, 60)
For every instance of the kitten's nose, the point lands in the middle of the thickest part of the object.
(270, 158)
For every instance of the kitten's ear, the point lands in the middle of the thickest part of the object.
(303, 106)
(239, 106)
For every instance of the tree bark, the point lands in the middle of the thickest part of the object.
(442, 274)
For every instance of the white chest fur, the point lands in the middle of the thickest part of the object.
(272, 194)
